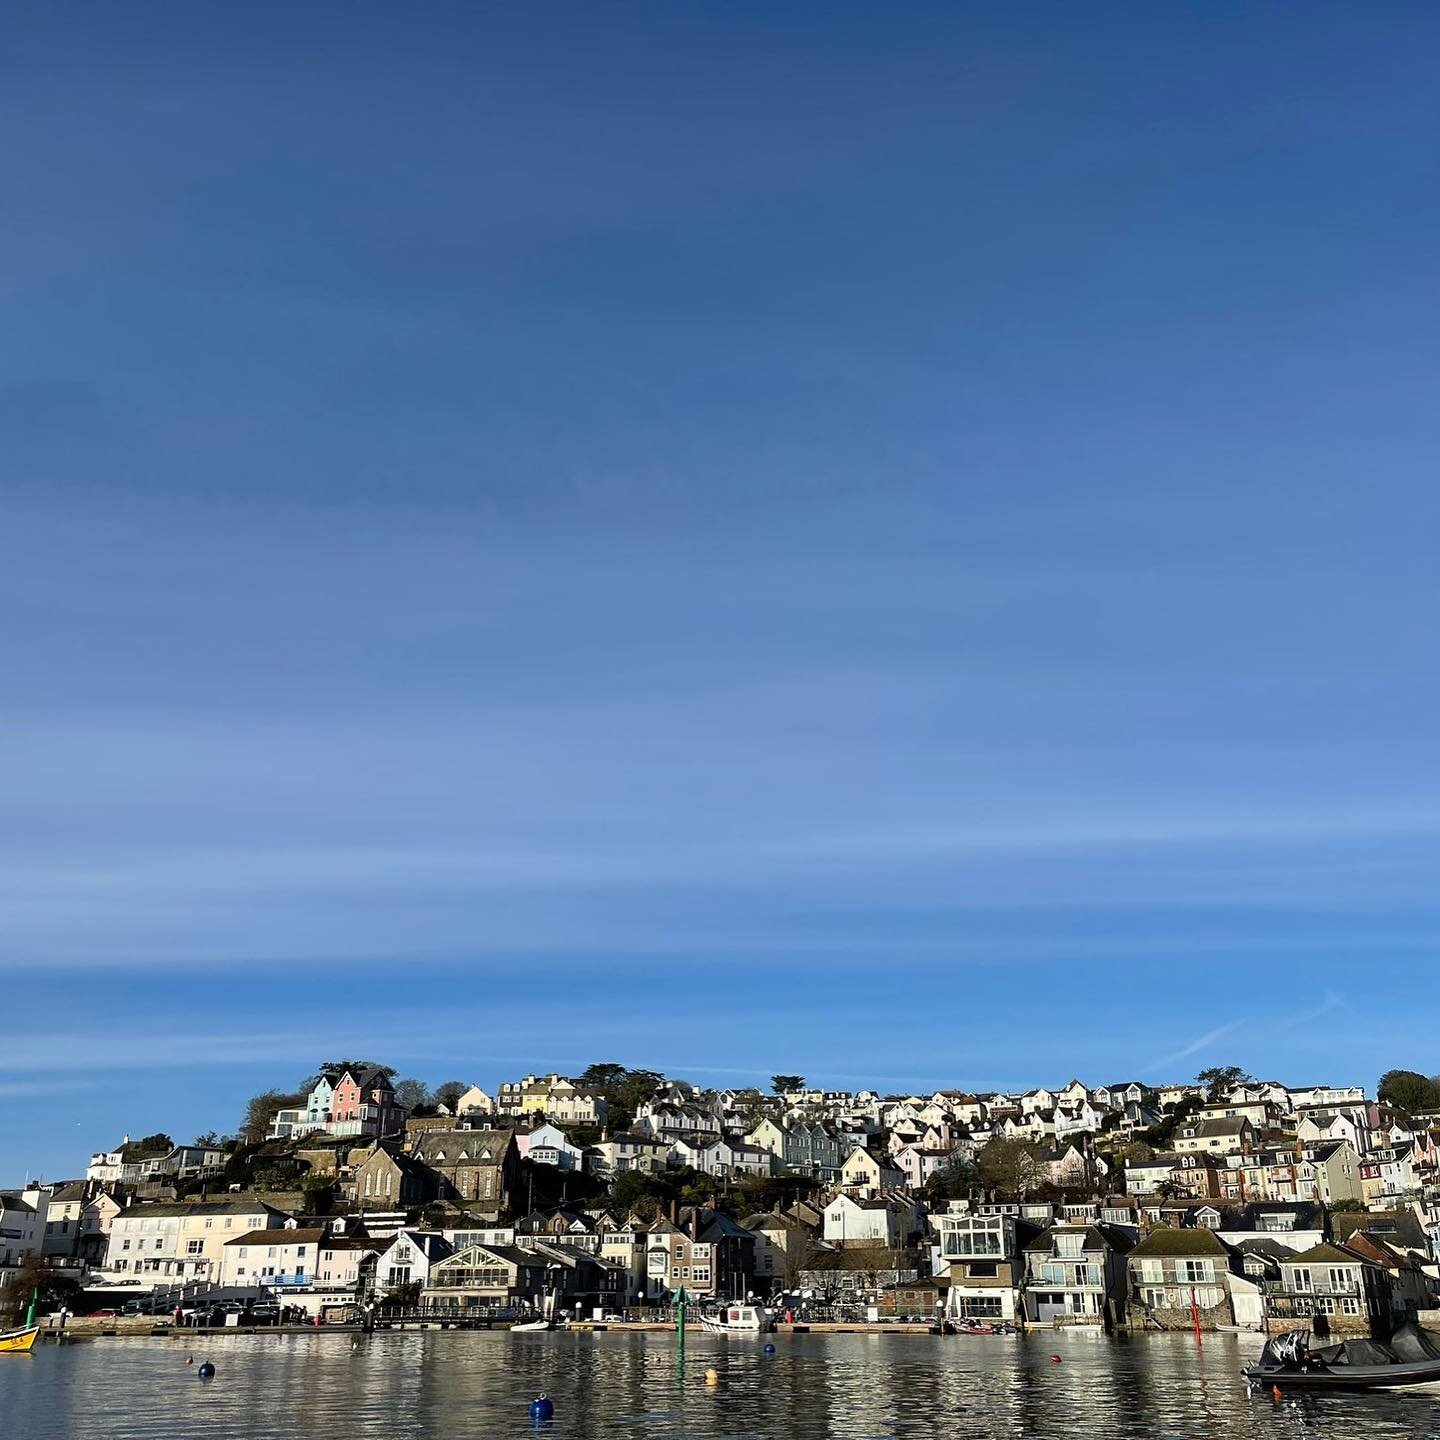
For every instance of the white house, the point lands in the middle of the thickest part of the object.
(409, 1258)
(22, 1229)
(884, 1220)
(549, 1145)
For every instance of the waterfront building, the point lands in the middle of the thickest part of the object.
(1076, 1274)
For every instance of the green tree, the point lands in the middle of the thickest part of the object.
(157, 1144)
(604, 1078)
(637, 1087)
(780, 1084)
(450, 1092)
(412, 1093)
(1219, 1080)
(1409, 1091)
(37, 1273)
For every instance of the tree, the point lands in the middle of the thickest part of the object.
(782, 1083)
(450, 1092)
(1012, 1167)
(261, 1110)
(388, 1071)
(1219, 1080)
(800, 1249)
(209, 1140)
(954, 1179)
(36, 1273)
(412, 1093)
(604, 1078)
(157, 1144)
(1409, 1091)
(637, 1087)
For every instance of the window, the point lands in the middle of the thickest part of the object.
(194, 1247)
(1300, 1278)
(1070, 1247)
(1196, 1271)
(1155, 1299)
(1152, 1271)
(1350, 1305)
(1342, 1278)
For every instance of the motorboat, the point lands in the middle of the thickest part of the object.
(18, 1342)
(739, 1319)
(1410, 1359)
(541, 1323)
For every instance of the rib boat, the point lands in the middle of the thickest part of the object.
(1410, 1359)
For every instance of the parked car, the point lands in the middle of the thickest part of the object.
(104, 1315)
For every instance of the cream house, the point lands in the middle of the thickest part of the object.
(173, 1244)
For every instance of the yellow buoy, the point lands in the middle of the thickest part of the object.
(712, 1377)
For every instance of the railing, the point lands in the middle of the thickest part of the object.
(415, 1314)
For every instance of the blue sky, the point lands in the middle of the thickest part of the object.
(896, 543)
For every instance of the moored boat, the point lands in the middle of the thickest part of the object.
(739, 1319)
(18, 1342)
(1411, 1359)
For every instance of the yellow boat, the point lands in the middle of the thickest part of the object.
(17, 1342)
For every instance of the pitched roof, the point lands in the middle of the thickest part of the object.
(280, 1237)
(1164, 1240)
(1326, 1253)
(430, 1145)
(1394, 1227)
(186, 1208)
(1097, 1237)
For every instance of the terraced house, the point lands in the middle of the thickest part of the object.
(159, 1245)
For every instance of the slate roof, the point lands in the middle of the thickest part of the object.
(1327, 1254)
(1394, 1227)
(1168, 1241)
(1097, 1237)
(281, 1237)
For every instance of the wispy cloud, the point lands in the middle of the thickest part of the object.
(19, 1089)
(1201, 1042)
(1332, 1001)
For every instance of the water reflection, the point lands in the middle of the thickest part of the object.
(409, 1386)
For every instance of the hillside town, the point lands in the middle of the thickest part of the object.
(1224, 1202)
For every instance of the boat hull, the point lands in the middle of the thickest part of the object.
(1349, 1377)
(18, 1342)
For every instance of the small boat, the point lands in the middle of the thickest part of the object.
(542, 1323)
(739, 1320)
(18, 1342)
(975, 1327)
(1411, 1359)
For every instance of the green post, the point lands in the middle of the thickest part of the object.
(680, 1302)
(34, 1300)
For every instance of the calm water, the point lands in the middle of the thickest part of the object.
(457, 1385)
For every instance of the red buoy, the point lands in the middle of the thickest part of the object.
(189, 1359)
(1055, 1360)
(1274, 1392)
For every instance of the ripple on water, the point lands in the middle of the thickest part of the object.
(850, 1387)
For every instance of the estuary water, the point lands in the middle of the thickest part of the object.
(405, 1386)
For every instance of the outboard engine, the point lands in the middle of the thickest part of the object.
(1284, 1351)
